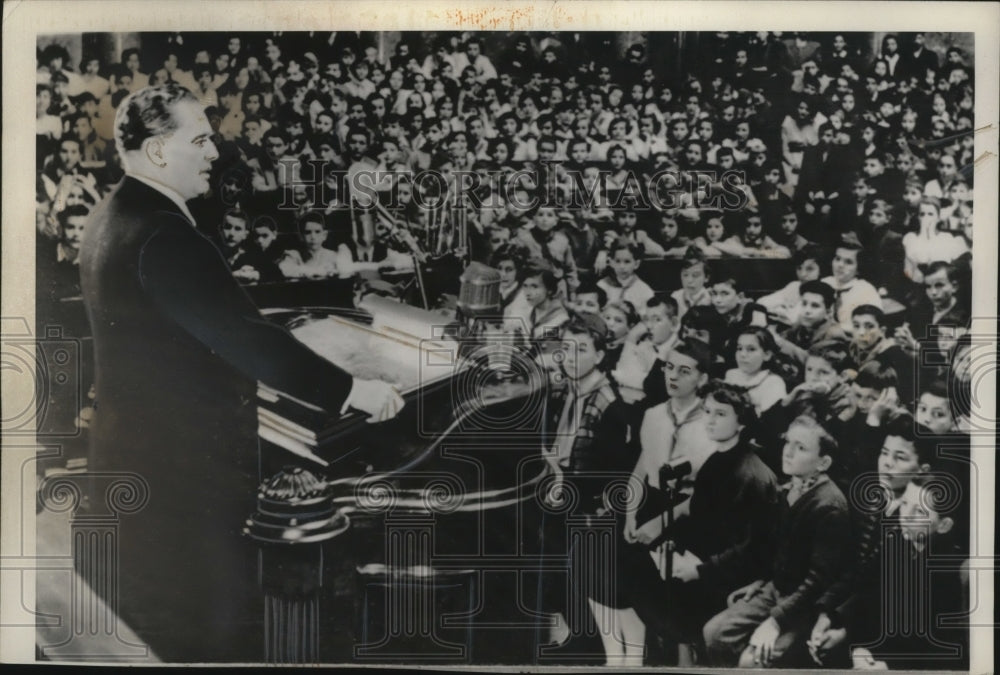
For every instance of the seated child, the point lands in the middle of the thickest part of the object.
(732, 508)
(788, 234)
(621, 318)
(874, 392)
(646, 348)
(811, 535)
(509, 260)
(626, 221)
(882, 480)
(589, 297)
(694, 277)
(712, 243)
(590, 448)
(814, 323)
(735, 310)
(945, 313)
(754, 351)
(851, 289)
(623, 283)
(547, 315)
(824, 394)
(870, 342)
(544, 240)
(872, 621)
(670, 240)
(267, 251)
(934, 408)
(704, 324)
(784, 304)
(312, 259)
(752, 242)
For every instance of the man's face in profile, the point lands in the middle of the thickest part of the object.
(184, 157)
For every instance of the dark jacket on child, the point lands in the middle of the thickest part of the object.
(809, 546)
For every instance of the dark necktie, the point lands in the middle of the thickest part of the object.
(838, 300)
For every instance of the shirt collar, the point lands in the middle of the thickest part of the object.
(62, 254)
(588, 385)
(168, 192)
(686, 415)
(663, 350)
(940, 314)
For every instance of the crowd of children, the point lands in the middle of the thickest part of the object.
(805, 414)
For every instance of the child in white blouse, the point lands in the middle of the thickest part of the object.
(755, 349)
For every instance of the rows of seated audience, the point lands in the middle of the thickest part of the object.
(811, 414)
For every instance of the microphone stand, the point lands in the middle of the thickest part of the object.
(666, 521)
(410, 242)
(671, 496)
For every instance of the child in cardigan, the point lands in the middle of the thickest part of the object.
(755, 350)
(812, 533)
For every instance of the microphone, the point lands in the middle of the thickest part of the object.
(674, 470)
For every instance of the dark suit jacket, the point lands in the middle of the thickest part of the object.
(179, 348)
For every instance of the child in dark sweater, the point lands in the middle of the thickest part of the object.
(732, 508)
(812, 534)
(878, 491)
(893, 617)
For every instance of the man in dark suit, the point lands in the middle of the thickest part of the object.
(179, 350)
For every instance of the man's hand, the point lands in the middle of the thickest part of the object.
(379, 400)
(686, 566)
(762, 641)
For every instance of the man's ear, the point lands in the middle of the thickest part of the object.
(944, 525)
(153, 148)
(825, 462)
